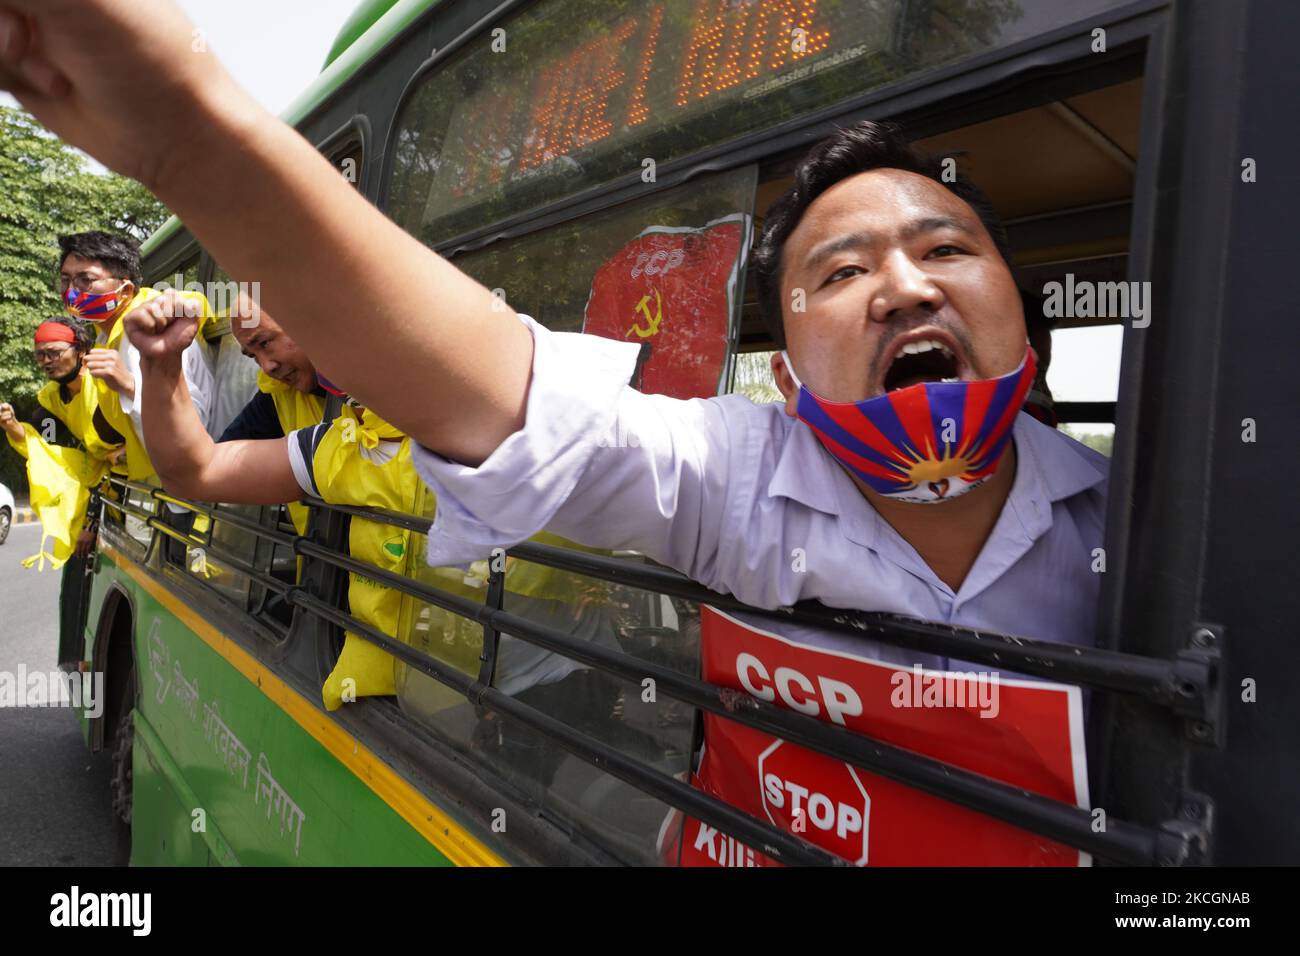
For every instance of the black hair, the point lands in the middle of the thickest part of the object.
(857, 149)
(81, 329)
(120, 255)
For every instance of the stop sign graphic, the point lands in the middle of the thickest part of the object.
(824, 797)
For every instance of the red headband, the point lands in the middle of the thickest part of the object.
(55, 332)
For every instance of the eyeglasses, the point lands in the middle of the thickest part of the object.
(82, 281)
(51, 354)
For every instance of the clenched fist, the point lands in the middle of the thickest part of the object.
(123, 79)
(9, 421)
(163, 327)
(107, 364)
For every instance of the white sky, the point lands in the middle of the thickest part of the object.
(272, 47)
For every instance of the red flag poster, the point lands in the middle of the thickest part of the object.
(1026, 733)
(674, 290)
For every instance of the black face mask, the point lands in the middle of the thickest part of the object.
(68, 379)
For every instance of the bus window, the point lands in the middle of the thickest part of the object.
(1068, 228)
(753, 378)
(590, 273)
(666, 272)
(235, 374)
(135, 524)
(623, 715)
(592, 90)
(204, 559)
(1068, 231)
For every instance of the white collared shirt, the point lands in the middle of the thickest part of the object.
(745, 500)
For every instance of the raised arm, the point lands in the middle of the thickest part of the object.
(189, 463)
(418, 341)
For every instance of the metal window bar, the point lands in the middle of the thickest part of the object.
(1186, 684)
(1121, 841)
(759, 834)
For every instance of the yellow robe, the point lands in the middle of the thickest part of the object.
(60, 480)
(348, 473)
(294, 410)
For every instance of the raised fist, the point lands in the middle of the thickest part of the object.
(163, 326)
(9, 421)
(122, 79)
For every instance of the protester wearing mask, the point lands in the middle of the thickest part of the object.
(76, 443)
(355, 459)
(898, 475)
(890, 254)
(99, 281)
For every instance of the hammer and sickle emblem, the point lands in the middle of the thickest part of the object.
(652, 321)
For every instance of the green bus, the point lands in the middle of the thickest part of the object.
(535, 143)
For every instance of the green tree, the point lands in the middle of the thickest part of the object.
(47, 188)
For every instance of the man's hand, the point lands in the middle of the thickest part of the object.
(86, 543)
(162, 327)
(107, 364)
(9, 422)
(121, 79)
(127, 80)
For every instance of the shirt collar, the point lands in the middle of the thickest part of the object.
(1062, 467)
(1048, 469)
(805, 472)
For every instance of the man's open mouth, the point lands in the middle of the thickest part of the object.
(925, 358)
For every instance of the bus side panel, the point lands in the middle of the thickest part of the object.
(165, 830)
(216, 751)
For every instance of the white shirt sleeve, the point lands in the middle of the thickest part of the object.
(197, 367)
(198, 376)
(303, 443)
(596, 462)
(133, 405)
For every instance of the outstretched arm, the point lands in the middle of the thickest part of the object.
(189, 463)
(418, 340)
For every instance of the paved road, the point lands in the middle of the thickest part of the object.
(55, 807)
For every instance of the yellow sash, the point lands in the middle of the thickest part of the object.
(60, 480)
(294, 410)
(350, 468)
(79, 416)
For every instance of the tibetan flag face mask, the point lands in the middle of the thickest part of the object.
(94, 306)
(928, 442)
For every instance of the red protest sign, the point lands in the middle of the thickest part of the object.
(1026, 733)
(672, 289)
